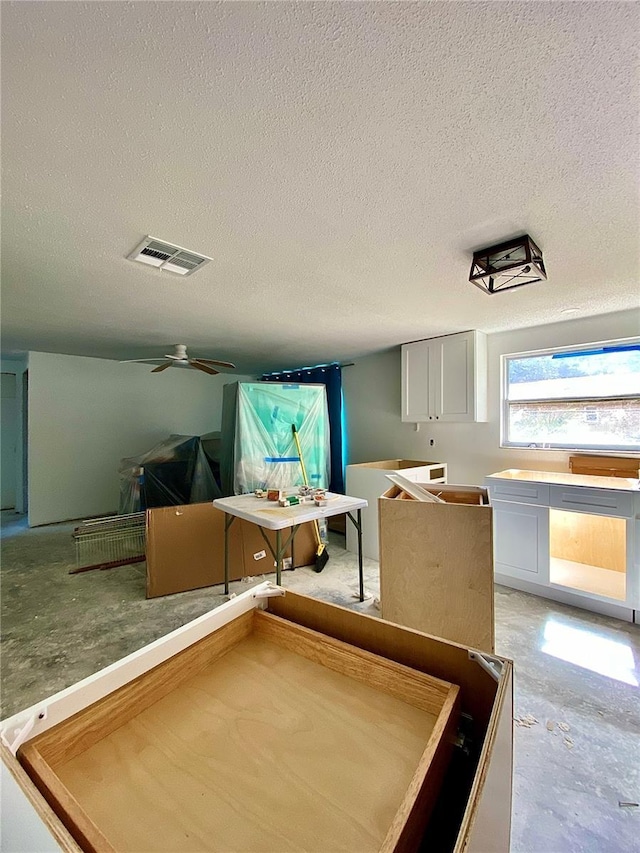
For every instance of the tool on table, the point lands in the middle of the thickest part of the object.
(322, 555)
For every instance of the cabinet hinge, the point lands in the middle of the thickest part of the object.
(489, 663)
(19, 736)
(269, 592)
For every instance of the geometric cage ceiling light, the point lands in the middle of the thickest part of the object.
(507, 265)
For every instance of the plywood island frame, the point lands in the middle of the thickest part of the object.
(274, 722)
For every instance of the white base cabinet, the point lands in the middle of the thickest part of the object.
(569, 537)
(445, 378)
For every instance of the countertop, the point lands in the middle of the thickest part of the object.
(560, 478)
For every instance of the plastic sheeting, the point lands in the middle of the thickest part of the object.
(265, 451)
(174, 472)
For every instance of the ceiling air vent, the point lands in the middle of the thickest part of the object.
(165, 256)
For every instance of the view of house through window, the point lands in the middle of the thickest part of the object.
(585, 398)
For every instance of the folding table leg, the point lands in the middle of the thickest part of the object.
(360, 568)
(228, 521)
(358, 526)
(279, 553)
(281, 548)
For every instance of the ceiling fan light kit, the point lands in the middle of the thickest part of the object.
(179, 358)
(507, 265)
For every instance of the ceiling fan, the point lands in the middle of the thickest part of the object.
(179, 358)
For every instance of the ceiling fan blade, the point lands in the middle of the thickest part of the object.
(161, 367)
(219, 363)
(195, 363)
(136, 360)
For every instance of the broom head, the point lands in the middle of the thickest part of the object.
(322, 558)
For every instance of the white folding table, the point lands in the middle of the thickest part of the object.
(268, 515)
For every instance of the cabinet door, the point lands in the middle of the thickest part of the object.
(445, 378)
(462, 377)
(455, 391)
(417, 388)
(521, 541)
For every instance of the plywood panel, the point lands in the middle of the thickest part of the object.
(487, 820)
(415, 688)
(77, 821)
(436, 569)
(605, 466)
(251, 736)
(446, 660)
(486, 826)
(80, 732)
(626, 484)
(596, 540)
(34, 799)
(588, 578)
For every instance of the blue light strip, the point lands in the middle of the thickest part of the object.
(599, 351)
(300, 369)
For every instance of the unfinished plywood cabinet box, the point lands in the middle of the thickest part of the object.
(274, 723)
(368, 480)
(436, 563)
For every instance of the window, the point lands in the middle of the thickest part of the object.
(579, 398)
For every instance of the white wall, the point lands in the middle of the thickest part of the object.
(372, 403)
(85, 414)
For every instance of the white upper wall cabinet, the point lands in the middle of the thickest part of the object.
(445, 379)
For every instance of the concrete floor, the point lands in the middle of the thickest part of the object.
(577, 717)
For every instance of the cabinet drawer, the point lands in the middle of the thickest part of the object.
(519, 491)
(139, 684)
(605, 501)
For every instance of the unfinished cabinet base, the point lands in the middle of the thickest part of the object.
(310, 726)
(436, 564)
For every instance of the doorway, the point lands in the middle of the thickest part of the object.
(9, 444)
(24, 474)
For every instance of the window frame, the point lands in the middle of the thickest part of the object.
(558, 447)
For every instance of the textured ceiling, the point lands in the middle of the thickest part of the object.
(339, 162)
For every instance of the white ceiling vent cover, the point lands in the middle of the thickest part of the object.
(166, 256)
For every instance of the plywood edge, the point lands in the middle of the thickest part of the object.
(67, 808)
(415, 688)
(412, 817)
(607, 466)
(42, 808)
(444, 659)
(68, 739)
(499, 738)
